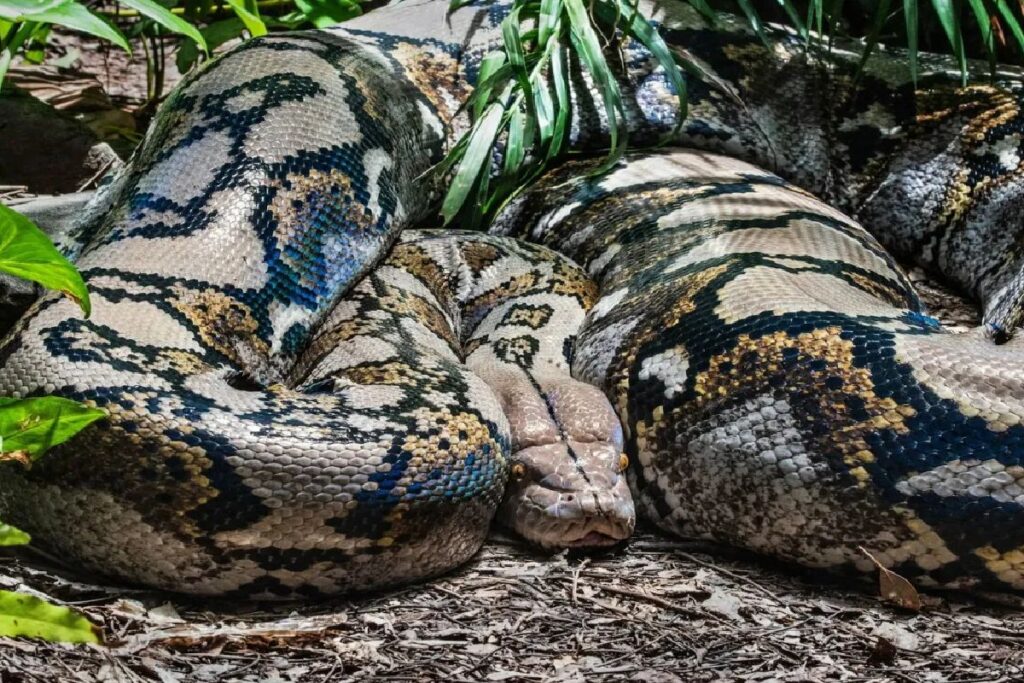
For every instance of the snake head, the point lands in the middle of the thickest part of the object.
(568, 486)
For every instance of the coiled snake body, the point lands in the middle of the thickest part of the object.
(276, 428)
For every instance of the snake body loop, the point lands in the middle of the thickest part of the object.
(308, 396)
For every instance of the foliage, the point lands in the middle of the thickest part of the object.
(24, 20)
(26, 252)
(30, 426)
(522, 97)
(28, 616)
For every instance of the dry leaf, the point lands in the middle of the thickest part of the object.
(894, 588)
(884, 652)
(20, 457)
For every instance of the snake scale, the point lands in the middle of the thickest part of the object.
(307, 394)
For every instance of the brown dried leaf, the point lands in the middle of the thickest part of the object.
(894, 588)
(21, 457)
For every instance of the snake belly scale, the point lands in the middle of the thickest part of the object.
(308, 396)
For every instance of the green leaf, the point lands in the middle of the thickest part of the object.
(10, 535)
(950, 20)
(216, 34)
(1007, 14)
(324, 13)
(30, 617)
(588, 46)
(514, 52)
(985, 27)
(794, 16)
(706, 11)
(252, 20)
(754, 19)
(26, 252)
(22, 32)
(487, 79)
(16, 9)
(164, 17)
(871, 41)
(560, 77)
(30, 426)
(910, 15)
(642, 30)
(476, 155)
(514, 146)
(66, 13)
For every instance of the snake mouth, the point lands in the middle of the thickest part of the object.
(593, 539)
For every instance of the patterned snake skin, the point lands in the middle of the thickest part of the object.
(299, 404)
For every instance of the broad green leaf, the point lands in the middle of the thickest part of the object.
(28, 616)
(68, 14)
(10, 535)
(31, 426)
(26, 252)
(164, 17)
(549, 13)
(253, 23)
(910, 15)
(216, 34)
(15, 9)
(324, 13)
(476, 155)
(22, 32)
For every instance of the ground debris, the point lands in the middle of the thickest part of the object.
(659, 610)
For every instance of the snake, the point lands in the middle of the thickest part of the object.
(313, 389)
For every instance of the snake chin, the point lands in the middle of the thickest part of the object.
(582, 519)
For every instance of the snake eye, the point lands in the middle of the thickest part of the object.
(623, 462)
(518, 470)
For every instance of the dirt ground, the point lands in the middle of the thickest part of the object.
(659, 610)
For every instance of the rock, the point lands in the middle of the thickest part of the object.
(46, 150)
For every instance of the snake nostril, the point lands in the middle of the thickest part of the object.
(243, 381)
(570, 498)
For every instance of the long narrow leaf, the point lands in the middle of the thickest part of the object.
(253, 23)
(871, 41)
(950, 20)
(910, 15)
(588, 46)
(477, 153)
(77, 18)
(754, 19)
(1007, 14)
(985, 27)
(163, 16)
(652, 40)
